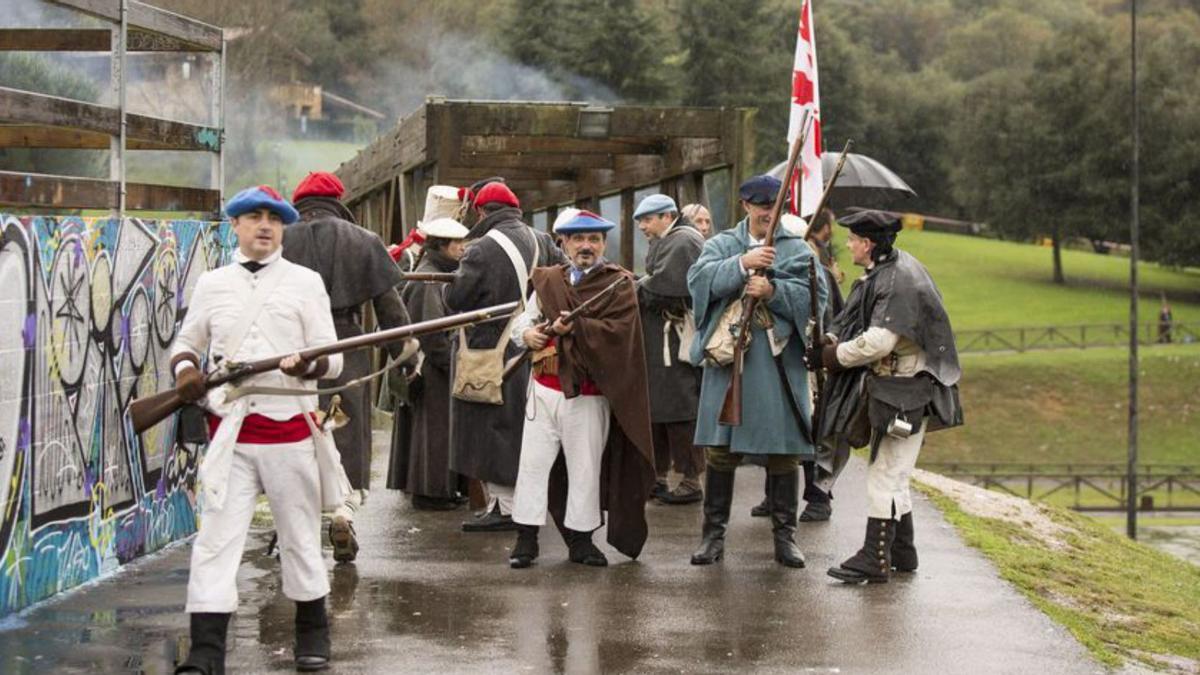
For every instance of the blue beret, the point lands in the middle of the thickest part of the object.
(655, 204)
(584, 221)
(760, 190)
(261, 197)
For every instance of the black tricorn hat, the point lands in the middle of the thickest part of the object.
(870, 224)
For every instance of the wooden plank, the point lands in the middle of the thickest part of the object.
(562, 145)
(627, 228)
(666, 122)
(55, 39)
(532, 161)
(197, 34)
(145, 197)
(508, 119)
(466, 175)
(149, 133)
(27, 190)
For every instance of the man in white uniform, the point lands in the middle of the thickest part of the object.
(257, 307)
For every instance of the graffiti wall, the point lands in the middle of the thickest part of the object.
(88, 310)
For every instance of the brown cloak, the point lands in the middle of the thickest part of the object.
(606, 347)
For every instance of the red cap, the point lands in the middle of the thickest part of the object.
(496, 192)
(319, 184)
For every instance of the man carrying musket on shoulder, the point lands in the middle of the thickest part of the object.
(892, 340)
(259, 306)
(588, 398)
(776, 408)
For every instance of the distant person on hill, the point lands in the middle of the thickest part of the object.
(892, 340)
(1164, 321)
(700, 218)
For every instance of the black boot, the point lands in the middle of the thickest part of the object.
(818, 504)
(904, 551)
(785, 501)
(873, 561)
(312, 636)
(207, 654)
(580, 549)
(763, 508)
(718, 498)
(526, 549)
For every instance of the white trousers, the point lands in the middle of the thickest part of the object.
(580, 426)
(888, 476)
(499, 495)
(349, 508)
(287, 473)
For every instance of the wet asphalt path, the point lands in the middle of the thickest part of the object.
(426, 598)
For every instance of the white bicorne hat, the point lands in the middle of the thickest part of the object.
(794, 225)
(445, 228)
(443, 201)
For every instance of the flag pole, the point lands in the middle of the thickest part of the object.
(1131, 468)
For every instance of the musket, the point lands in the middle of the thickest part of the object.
(429, 277)
(818, 336)
(837, 171)
(731, 408)
(515, 362)
(150, 410)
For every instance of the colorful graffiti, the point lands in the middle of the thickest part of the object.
(88, 309)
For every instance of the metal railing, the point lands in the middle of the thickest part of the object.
(1083, 486)
(1080, 336)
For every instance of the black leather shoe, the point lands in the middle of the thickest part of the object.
(580, 549)
(660, 490)
(207, 653)
(491, 521)
(345, 543)
(525, 551)
(312, 636)
(785, 500)
(718, 498)
(815, 512)
(904, 552)
(872, 563)
(683, 494)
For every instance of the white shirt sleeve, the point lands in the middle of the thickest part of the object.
(193, 335)
(874, 344)
(526, 320)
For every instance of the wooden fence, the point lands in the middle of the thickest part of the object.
(1079, 336)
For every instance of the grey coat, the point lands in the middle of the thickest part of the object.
(674, 386)
(485, 440)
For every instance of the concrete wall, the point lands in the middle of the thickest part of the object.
(88, 310)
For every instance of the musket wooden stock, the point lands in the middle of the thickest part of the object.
(148, 411)
(429, 277)
(731, 407)
(515, 362)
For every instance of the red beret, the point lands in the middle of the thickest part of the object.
(319, 184)
(496, 192)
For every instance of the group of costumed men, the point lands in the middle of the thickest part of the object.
(576, 407)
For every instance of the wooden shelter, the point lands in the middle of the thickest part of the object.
(33, 120)
(552, 154)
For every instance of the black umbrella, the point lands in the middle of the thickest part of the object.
(863, 181)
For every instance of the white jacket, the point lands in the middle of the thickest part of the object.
(294, 316)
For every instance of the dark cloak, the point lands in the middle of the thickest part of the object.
(485, 439)
(356, 267)
(897, 294)
(420, 456)
(675, 394)
(606, 348)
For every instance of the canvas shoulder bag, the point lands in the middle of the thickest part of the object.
(479, 373)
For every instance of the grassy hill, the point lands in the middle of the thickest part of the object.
(996, 284)
(1071, 406)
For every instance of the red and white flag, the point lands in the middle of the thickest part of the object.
(806, 96)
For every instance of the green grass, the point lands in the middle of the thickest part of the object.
(1071, 406)
(1123, 601)
(995, 284)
